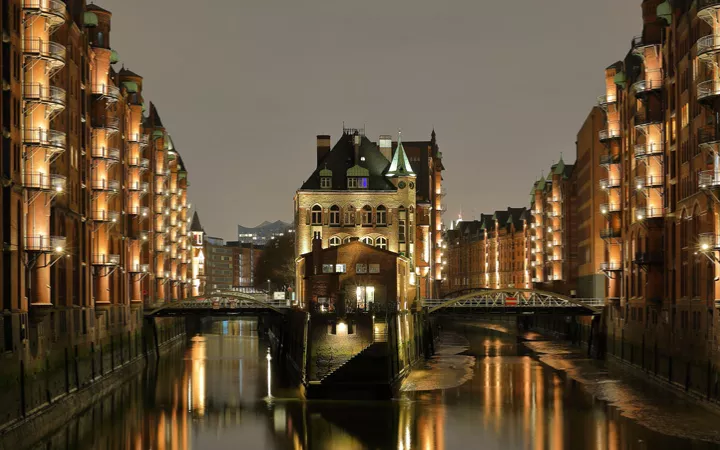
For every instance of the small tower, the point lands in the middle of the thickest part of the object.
(198, 256)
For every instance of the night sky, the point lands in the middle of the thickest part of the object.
(244, 86)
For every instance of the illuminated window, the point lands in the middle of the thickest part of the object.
(334, 241)
(401, 224)
(381, 242)
(334, 215)
(357, 182)
(328, 268)
(340, 268)
(381, 215)
(367, 240)
(316, 216)
(366, 216)
(349, 216)
(346, 240)
(374, 268)
(361, 268)
(685, 116)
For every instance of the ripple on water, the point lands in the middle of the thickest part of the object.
(446, 369)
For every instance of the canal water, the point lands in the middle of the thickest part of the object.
(483, 390)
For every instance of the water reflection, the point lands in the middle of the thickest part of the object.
(222, 392)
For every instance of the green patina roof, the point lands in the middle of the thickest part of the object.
(182, 174)
(325, 172)
(114, 57)
(130, 86)
(540, 185)
(357, 171)
(620, 79)
(400, 165)
(559, 168)
(90, 19)
(664, 11)
(158, 134)
(169, 145)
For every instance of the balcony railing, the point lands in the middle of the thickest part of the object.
(610, 233)
(105, 185)
(44, 182)
(537, 280)
(648, 213)
(142, 139)
(139, 268)
(604, 100)
(54, 10)
(55, 54)
(110, 123)
(40, 137)
(142, 211)
(708, 137)
(50, 95)
(137, 186)
(645, 117)
(45, 244)
(610, 266)
(105, 259)
(611, 132)
(708, 89)
(103, 215)
(609, 183)
(606, 160)
(140, 236)
(708, 241)
(646, 258)
(709, 179)
(554, 214)
(142, 163)
(109, 153)
(651, 149)
(648, 181)
(653, 83)
(109, 91)
(607, 208)
(707, 44)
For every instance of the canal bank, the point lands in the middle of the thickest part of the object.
(72, 380)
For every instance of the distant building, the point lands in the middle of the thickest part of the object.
(245, 259)
(262, 233)
(218, 265)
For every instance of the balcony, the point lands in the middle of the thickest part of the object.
(44, 182)
(537, 280)
(607, 208)
(536, 211)
(648, 213)
(709, 179)
(707, 46)
(609, 183)
(708, 90)
(645, 118)
(553, 199)
(611, 266)
(51, 96)
(552, 214)
(54, 11)
(708, 10)
(604, 101)
(105, 259)
(40, 137)
(45, 244)
(610, 233)
(708, 241)
(52, 53)
(709, 139)
(139, 268)
(106, 153)
(105, 185)
(653, 81)
(108, 91)
(142, 163)
(648, 181)
(142, 211)
(140, 236)
(137, 186)
(610, 133)
(103, 215)
(645, 150)
(142, 139)
(112, 124)
(606, 160)
(648, 258)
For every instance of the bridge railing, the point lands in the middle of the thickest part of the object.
(532, 302)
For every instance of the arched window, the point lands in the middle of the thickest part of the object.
(347, 240)
(367, 240)
(381, 215)
(334, 241)
(349, 220)
(381, 242)
(335, 215)
(366, 219)
(316, 216)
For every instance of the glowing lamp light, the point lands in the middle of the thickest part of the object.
(639, 186)
(604, 210)
(549, 244)
(549, 229)
(58, 189)
(342, 328)
(639, 216)
(59, 249)
(704, 247)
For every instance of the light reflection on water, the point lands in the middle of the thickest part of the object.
(481, 391)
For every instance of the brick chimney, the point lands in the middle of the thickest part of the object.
(385, 144)
(323, 146)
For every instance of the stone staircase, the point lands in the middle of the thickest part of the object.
(367, 367)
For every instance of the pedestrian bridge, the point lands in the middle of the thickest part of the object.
(221, 303)
(514, 301)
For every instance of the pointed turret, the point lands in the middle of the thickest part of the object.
(195, 225)
(400, 165)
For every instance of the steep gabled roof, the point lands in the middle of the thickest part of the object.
(400, 165)
(195, 225)
(154, 117)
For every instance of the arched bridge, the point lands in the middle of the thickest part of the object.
(221, 303)
(515, 301)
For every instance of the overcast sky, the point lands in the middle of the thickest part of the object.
(244, 86)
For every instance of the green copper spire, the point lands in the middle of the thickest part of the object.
(400, 165)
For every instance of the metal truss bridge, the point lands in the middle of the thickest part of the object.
(221, 303)
(514, 301)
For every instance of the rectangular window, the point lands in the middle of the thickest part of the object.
(361, 268)
(328, 268)
(325, 182)
(374, 268)
(685, 115)
(352, 183)
(340, 268)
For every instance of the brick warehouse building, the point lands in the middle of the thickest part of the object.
(391, 199)
(94, 193)
(643, 199)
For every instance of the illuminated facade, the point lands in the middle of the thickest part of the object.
(381, 194)
(94, 204)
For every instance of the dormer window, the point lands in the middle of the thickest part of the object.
(325, 182)
(357, 183)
